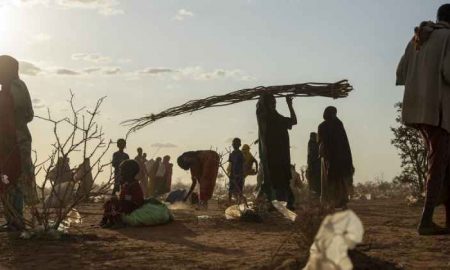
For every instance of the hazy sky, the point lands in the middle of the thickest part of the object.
(147, 55)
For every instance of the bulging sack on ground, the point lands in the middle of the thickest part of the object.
(149, 214)
(233, 212)
(338, 233)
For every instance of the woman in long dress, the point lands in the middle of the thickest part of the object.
(18, 186)
(337, 162)
(274, 149)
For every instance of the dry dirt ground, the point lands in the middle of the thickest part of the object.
(390, 242)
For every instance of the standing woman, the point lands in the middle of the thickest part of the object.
(313, 173)
(142, 176)
(16, 112)
(167, 174)
(274, 148)
(337, 161)
(153, 170)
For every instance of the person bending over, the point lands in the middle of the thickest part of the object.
(204, 167)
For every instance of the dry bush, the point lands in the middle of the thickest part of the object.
(380, 189)
(413, 155)
(81, 139)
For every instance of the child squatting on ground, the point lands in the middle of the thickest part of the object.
(131, 196)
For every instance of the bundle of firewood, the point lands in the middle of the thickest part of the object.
(339, 89)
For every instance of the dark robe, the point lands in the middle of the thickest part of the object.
(10, 161)
(337, 163)
(313, 172)
(168, 176)
(236, 160)
(152, 185)
(274, 152)
(10, 164)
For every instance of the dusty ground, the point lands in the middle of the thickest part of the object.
(390, 242)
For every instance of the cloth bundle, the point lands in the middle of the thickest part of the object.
(338, 233)
(152, 213)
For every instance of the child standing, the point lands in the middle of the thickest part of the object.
(236, 160)
(118, 158)
(130, 198)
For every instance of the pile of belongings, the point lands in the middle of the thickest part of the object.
(176, 196)
(243, 213)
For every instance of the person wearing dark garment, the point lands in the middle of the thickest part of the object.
(153, 171)
(204, 167)
(163, 179)
(337, 162)
(118, 158)
(17, 185)
(313, 170)
(236, 160)
(274, 148)
(168, 172)
(142, 175)
(131, 196)
(424, 70)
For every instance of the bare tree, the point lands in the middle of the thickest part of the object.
(413, 155)
(76, 137)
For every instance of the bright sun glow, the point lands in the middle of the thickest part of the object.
(6, 28)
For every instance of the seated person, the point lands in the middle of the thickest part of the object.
(131, 196)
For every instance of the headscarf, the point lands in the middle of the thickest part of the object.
(329, 113)
(334, 140)
(248, 157)
(246, 148)
(184, 161)
(423, 32)
(263, 113)
(264, 101)
(9, 69)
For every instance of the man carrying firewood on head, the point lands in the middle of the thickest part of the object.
(424, 70)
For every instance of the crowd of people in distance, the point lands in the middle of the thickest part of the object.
(154, 176)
